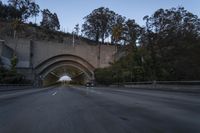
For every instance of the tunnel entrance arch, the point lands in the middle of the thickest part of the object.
(46, 67)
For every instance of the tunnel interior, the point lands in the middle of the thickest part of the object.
(78, 76)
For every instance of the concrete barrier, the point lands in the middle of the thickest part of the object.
(179, 86)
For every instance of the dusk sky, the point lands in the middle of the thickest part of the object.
(71, 13)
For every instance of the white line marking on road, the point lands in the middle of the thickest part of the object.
(54, 93)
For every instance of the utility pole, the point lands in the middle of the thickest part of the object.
(99, 54)
(73, 38)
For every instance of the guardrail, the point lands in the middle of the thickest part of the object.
(164, 82)
(179, 86)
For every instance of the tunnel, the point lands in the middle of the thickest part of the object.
(78, 77)
(50, 71)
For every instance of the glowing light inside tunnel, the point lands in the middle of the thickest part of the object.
(65, 78)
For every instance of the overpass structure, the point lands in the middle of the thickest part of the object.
(42, 61)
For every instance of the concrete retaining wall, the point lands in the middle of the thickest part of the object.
(6, 54)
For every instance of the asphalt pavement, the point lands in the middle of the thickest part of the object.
(73, 109)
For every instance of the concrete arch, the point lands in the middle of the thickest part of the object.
(73, 64)
(64, 60)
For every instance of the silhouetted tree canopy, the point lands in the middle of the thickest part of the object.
(169, 47)
(50, 20)
(171, 36)
(8, 12)
(28, 8)
(102, 23)
(98, 24)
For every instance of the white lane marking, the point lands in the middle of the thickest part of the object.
(54, 93)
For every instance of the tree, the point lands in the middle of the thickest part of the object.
(98, 24)
(118, 29)
(171, 36)
(50, 20)
(104, 76)
(76, 28)
(14, 62)
(132, 32)
(55, 22)
(169, 48)
(8, 12)
(28, 8)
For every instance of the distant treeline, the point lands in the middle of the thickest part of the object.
(19, 11)
(167, 48)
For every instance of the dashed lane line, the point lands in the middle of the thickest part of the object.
(54, 93)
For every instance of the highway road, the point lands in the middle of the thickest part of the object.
(70, 109)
